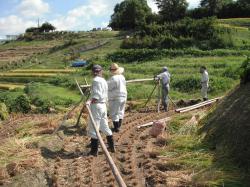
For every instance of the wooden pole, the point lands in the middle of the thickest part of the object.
(149, 98)
(139, 80)
(79, 87)
(112, 165)
(198, 105)
(159, 96)
(129, 81)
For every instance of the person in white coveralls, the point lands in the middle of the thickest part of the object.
(98, 100)
(204, 82)
(165, 77)
(117, 95)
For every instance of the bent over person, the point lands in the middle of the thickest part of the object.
(117, 95)
(204, 82)
(165, 77)
(99, 96)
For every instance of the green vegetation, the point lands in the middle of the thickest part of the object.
(4, 114)
(187, 152)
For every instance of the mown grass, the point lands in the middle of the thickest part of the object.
(192, 154)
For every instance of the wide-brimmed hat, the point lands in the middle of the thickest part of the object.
(115, 69)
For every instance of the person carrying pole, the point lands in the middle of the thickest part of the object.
(117, 95)
(204, 82)
(165, 77)
(98, 99)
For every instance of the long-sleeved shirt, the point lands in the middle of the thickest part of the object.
(204, 79)
(117, 87)
(99, 89)
(165, 76)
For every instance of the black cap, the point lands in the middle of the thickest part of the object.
(96, 68)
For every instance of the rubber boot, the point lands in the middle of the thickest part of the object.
(94, 147)
(120, 123)
(116, 126)
(205, 99)
(111, 146)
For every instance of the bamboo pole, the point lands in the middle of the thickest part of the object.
(198, 105)
(139, 80)
(129, 81)
(112, 165)
(151, 123)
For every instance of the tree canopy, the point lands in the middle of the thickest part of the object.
(46, 27)
(172, 10)
(130, 15)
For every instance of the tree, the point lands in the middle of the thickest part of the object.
(32, 29)
(214, 6)
(172, 10)
(46, 27)
(130, 15)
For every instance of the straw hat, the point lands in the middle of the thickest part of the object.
(115, 69)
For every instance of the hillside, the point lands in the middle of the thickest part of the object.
(228, 127)
(43, 79)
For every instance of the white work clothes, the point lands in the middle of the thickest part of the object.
(117, 87)
(204, 84)
(165, 77)
(117, 96)
(117, 108)
(205, 79)
(99, 91)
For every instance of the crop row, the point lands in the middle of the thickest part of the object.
(43, 70)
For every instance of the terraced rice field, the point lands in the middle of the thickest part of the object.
(44, 71)
(6, 86)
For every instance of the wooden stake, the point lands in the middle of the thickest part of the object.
(112, 165)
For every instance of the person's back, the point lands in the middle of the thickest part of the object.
(117, 87)
(100, 89)
(204, 82)
(165, 78)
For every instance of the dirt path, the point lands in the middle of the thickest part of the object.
(66, 163)
(69, 166)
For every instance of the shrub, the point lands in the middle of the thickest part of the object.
(231, 72)
(21, 104)
(219, 84)
(186, 84)
(4, 114)
(185, 33)
(245, 71)
(140, 55)
(43, 104)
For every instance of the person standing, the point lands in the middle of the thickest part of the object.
(117, 96)
(98, 100)
(204, 82)
(165, 77)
